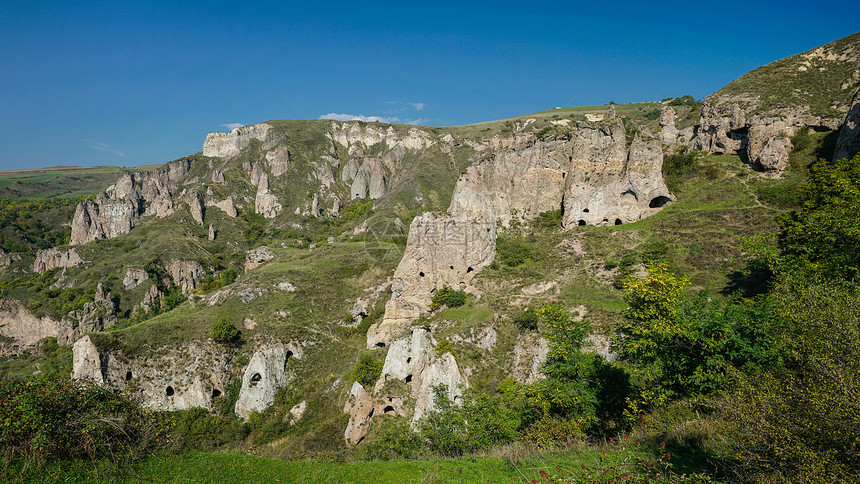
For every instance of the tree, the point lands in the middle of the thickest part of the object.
(224, 332)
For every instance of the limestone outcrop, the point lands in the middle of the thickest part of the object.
(756, 114)
(53, 258)
(133, 278)
(87, 362)
(848, 142)
(23, 327)
(229, 145)
(186, 274)
(609, 184)
(359, 406)
(254, 258)
(411, 361)
(356, 136)
(121, 206)
(264, 375)
(195, 206)
(170, 379)
(441, 250)
(530, 352)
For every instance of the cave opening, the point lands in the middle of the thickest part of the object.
(658, 202)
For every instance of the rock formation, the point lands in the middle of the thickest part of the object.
(87, 362)
(121, 206)
(176, 378)
(229, 145)
(756, 114)
(848, 143)
(53, 258)
(257, 256)
(359, 406)
(133, 278)
(264, 375)
(186, 274)
(441, 250)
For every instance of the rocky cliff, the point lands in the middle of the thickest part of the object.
(757, 114)
(848, 142)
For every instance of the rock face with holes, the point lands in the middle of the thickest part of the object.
(133, 278)
(169, 379)
(412, 363)
(756, 115)
(441, 250)
(264, 375)
(413, 360)
(610, 183)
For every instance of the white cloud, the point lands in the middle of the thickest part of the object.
(417, 121)
(400, 106)
(360, 117)
(99, 146)
(231, 126)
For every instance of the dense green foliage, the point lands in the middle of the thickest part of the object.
(367, 370)
(225, 332)
(688, 345)
(447, 297)
(43, 420)
(27, 224)
(802, 419)
(512, 251)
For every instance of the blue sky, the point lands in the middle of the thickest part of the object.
(91, 83)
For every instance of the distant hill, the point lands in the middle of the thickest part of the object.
(61, 181)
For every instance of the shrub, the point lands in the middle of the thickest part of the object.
(527, 320)
(196, 429)
(367, 370)
(394, 440)
(224, 332)
(512, 252)
(447, 297)
(42, 420)
(445, 346)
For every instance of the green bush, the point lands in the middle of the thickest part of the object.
(367, 370)
(447, 297)
(224, 332)
(445, 346)
(527, 320)
(512, 251)
(196, 429)
(393, 441)
(43, 420)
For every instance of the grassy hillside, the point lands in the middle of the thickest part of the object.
(823, 79)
